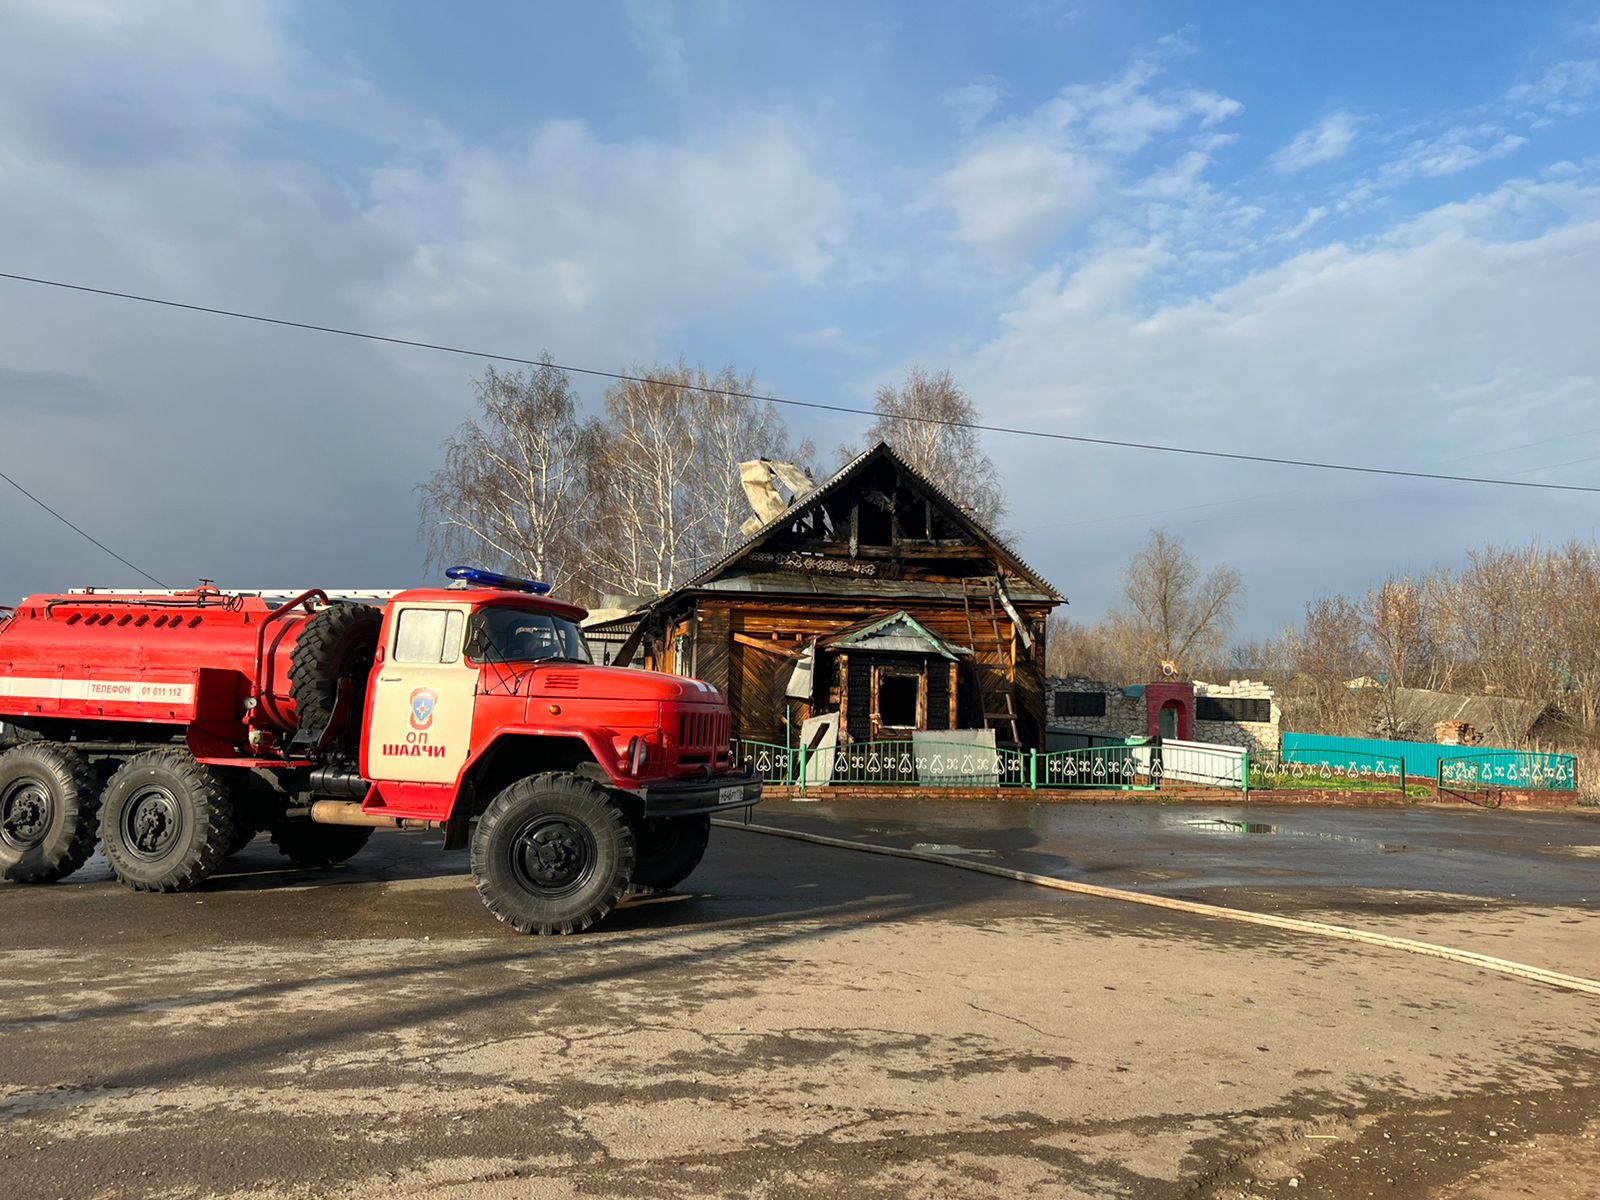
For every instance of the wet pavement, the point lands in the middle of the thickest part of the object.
(1233, 853)
(804, 1021)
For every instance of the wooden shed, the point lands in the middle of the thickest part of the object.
(872, 595)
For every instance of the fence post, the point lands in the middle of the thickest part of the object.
(802, 780)
(1033, 769)
(1244, 773)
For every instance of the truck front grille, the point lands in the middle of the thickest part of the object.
(703, 736)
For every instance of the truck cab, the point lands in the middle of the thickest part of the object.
(466, 682)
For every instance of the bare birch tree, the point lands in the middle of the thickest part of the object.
(1575, 605)
(1401, 628)
(664, 478)
(1327, 654)
(1170, 612)
(1072, 648)
(927, 420)
(509, 492)
(649, 523)
(732, 428)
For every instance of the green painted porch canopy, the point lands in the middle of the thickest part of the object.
(896, 633)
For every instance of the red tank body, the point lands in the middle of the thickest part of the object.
(191, 659)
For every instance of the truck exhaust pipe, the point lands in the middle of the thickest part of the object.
(348, 812)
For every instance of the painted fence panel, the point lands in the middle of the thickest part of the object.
(1515, 768)
(1509, 769)
(1207, 763)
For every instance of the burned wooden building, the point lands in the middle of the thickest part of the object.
(873, 596)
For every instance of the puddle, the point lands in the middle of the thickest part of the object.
(946, 848)
(1244, 828)
(1221, 826)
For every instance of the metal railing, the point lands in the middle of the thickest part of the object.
(1144, 768)
(953, 764)
(1351, 771)
(1509, 769)
(1123, 768)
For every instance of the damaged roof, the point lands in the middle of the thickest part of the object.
(844, 476)
(1503, 718)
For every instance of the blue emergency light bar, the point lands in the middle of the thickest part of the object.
(496, 580)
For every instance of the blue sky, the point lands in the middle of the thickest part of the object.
(1354, 232)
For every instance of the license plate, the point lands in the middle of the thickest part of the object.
(730, 795)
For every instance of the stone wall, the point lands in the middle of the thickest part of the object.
(1252, 735)
(1125, 716)
(1128, 716)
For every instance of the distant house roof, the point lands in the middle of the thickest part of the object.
(897, 633)
(1504, 719)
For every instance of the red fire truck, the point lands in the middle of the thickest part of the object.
(170, 728)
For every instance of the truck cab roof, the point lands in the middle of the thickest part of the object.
(482, 597)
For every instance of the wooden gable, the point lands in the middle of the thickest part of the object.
(877, 519)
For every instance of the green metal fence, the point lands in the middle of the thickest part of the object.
(1123, 768)
(1350, 771)
(953, 764)
(1138, 768)
(1508, 769)
(772, 764)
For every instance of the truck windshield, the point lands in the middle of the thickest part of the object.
(523, 635)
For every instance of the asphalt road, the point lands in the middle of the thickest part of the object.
(808, 1021)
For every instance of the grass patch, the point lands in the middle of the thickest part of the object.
(1333, 783)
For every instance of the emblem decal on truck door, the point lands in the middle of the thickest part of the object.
(422, 705)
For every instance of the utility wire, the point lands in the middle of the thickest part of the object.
(81, 532)
(815, 405)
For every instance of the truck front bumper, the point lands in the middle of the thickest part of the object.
(691, 797)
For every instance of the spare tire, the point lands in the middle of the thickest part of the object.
(338, 642)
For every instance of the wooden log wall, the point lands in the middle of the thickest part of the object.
(753, 660)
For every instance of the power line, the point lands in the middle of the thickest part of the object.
(81, 532)
(818, 406)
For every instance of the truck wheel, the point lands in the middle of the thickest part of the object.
(552, 854)
(338, 642)
(166, 822)
(670, 848)
(49, 809)
(307, 844)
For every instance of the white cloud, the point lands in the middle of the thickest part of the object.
(1454, 150)
(574, 230)
(1324, 142)
(1017, 187)
(973, 102)
(653, 32)
(1015, 190)
(832, 338)
(1312, 218)
(1123, 114)
(1565, 89)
